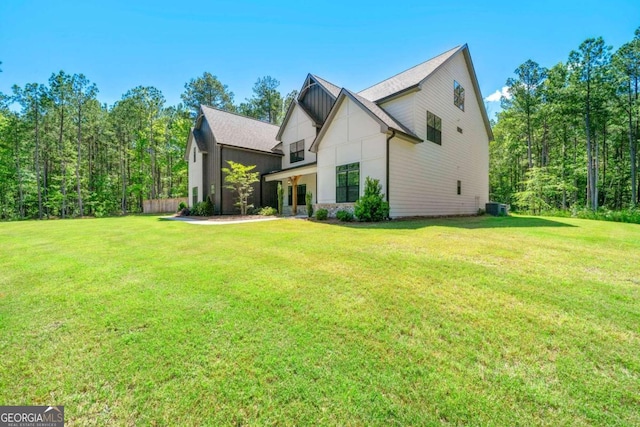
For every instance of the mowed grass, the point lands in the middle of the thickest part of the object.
(467, 321)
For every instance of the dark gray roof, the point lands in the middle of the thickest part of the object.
(240, 131)
(330, 87)
(407, 79)
(199, 139)
(385, 117)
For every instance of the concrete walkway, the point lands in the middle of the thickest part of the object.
(218, 222)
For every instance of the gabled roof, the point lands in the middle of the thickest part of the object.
(382, 115)
(412, 78)
(240, 131)
(407, 79)
(385, 120)
(200, 141)
(330, 87)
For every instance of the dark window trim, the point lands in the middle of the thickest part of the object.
(194, 154)
(296, 151)
(459, 187)
(348, 193)
(301, 195)
(434, 128)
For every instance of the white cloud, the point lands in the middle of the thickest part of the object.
(498, 94)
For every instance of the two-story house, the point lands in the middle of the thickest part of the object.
(423, 133)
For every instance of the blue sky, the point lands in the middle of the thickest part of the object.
(122, 44)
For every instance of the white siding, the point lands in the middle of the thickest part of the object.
(195, 172)
(402, 109)
(299, 127)
(423, 177)
(352, 136)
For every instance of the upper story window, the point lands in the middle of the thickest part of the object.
(458, 95)
(296, 151)
(434, 128)
(194, 154)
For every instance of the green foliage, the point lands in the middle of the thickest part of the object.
(539, 187)
(266, 103)
(182, 205)
(280, 198)
(202, 209)
(322, 214)
(579, 121)
(268, 211)
(207, 90)
(309, 202)
(240, 179)
(345, 215)
(372, 206)
(631, 216)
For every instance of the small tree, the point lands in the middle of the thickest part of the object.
(280, 198)
(239, 178)
(308, 199)
(372, 206)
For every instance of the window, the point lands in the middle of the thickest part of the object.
(194, 196)
(300, 197)
(348, 183)
(459, 188)
(194, 154)
(434, 128)
(459, 129)
(296, 151)
(458, 95)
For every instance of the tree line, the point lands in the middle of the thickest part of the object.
(64, 154)
(567, 136)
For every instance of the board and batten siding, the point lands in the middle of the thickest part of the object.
(299, 127)
(423, 177)
(352, 136)
(264, 192)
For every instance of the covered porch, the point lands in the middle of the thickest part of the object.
(296, 183)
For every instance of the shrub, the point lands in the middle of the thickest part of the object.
(184, 212)
(309, 198)
(345, 216)
(181, 206)
(268, 211)
(198, 209)
(280, 198)
(322, 214)
(372, 206)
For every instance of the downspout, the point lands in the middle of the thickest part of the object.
(221, 179)
(393, 133)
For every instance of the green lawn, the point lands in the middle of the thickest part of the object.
(469, 321)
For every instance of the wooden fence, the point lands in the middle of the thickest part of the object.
(162, 205)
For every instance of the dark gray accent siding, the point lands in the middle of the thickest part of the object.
(317, 102)
(264, 193)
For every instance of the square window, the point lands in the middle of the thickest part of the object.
(296, 151)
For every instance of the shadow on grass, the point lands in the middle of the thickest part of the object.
(471, 222)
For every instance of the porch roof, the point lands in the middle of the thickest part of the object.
(307, 169)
